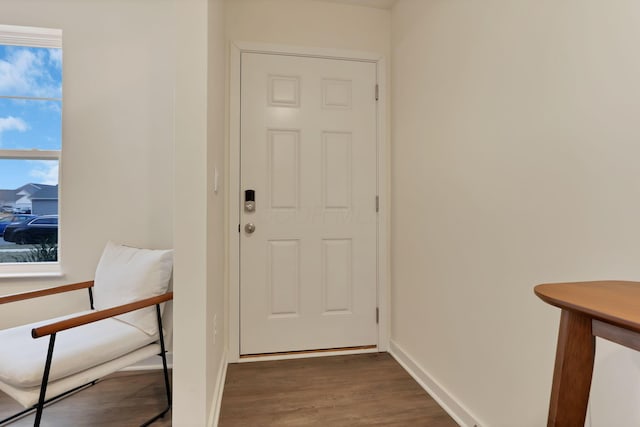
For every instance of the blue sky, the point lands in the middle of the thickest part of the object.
(27, 123)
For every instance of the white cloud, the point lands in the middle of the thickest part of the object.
(25, 72)
(12, 123)
(55, 57)
(44, 172)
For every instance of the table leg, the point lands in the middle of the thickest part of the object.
(573, 371)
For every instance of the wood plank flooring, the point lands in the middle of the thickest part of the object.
(357, 390)
(122, 399)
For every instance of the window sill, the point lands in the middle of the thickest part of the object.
(30, 270)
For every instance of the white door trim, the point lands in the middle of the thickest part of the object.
(237, 48)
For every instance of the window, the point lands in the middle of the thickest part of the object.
(43, 221)
(30, 149)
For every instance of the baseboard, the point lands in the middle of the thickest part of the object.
(214, 415)
(446, 400)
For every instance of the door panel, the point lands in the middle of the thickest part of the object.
(308, 148)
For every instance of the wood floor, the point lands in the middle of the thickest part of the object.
(358, 390)
(122, 399)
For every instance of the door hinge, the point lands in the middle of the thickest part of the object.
(377, 203)
(377, 315)
(377, 92)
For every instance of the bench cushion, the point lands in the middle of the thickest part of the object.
(28, 396)
(125, 274)
(22, 358)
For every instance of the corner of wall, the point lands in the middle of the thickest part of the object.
(216, 403)
(445, 399)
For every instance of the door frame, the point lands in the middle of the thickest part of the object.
(233, 201)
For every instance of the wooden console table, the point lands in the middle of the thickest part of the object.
(606, 309)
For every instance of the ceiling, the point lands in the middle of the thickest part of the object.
(380, 4)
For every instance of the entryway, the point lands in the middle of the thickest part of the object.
(306, 194)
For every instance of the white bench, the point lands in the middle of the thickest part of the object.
(84, 347)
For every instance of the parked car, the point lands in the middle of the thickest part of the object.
(4, 222)
(36, 230)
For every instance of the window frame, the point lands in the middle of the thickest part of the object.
(41, 38)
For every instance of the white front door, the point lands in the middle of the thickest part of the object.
(308, 249)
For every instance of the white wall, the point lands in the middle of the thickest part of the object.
(117, 170)
(199, 357)
(515, 147)
(216, 208)
(309, 23)
(190, 226)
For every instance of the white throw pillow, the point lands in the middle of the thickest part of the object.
(125, 275)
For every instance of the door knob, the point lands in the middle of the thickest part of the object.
(249, 228)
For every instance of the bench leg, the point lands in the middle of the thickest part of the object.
(45, 381)
(163, 354)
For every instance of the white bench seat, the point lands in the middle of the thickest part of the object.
(84, 350)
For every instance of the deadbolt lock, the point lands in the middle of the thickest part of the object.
(249, 200)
